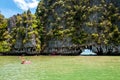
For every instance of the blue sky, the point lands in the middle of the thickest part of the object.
(12, 7)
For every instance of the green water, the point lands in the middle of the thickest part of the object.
(60, 68)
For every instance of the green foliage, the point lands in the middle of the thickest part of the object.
(4, 46)
(100, 17)
(4, 35)
(3, 26)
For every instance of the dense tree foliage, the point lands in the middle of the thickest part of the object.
(4, 35)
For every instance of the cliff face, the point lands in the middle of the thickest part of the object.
(11, 25)
(53, 16)
(86, 20)
(21, 30)
(57, 21)
(11, 22)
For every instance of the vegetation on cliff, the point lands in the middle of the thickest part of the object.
(77, 22)
(86, 22)
(4, 35)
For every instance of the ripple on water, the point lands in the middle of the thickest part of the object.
(21, 72)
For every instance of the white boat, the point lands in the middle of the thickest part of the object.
(88, 52)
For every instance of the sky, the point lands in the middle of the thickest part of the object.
(12, 7)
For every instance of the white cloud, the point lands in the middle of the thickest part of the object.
(26, 4)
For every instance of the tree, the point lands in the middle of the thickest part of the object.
(4, 35)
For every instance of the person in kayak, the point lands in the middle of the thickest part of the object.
(24, 61)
